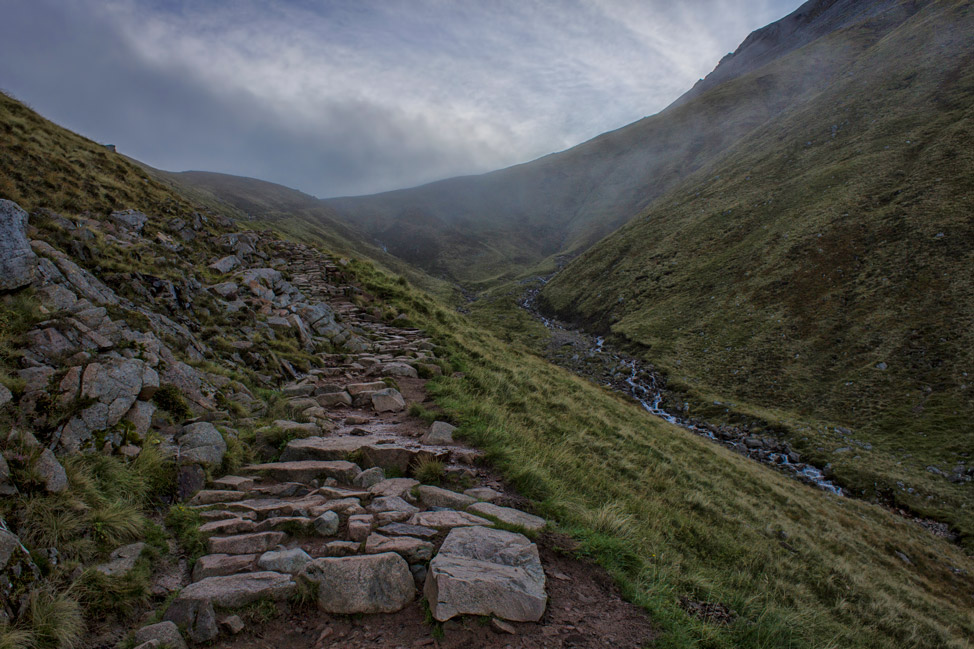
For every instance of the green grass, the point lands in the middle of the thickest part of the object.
(783, 274)
(671, 515)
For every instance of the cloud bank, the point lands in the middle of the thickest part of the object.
(348, 96)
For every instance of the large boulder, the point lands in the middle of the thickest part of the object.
(201, 443)
(440, 432)
(379, 583)
(490, 572)
(17, 261)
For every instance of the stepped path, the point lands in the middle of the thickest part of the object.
(373, 528)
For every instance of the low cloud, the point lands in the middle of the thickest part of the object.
(354, 97)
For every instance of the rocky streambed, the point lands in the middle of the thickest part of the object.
(592, 357)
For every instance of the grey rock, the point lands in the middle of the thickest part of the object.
(190, 478)
(393, 487)
(332, 399)
(226, 264)
(439, 433)
(379, 583)
(482, 571)
(360, 526)
(388, 400)
(122, 560)
(232, 624)
(358, 388)
(400, 369)
(304, 471)
(369, 477)
(257, 543)
(437, 497)
(166, 633)
(483, 493)
(201, 443)
(193, 608)
(130, 220)
(5, 396)
(391, 504)
(140, 416)
(17, 570)
(327, 524)
(447, 519)
(411, 549)
(51, 472)
(508, 516)
(83, 282)
(402, 529)
(286, 561)
(18, 262)
(220, 565)
(7, 487)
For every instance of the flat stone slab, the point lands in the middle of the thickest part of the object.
(245, 543)
(485, 494)
(489, 572)
(437, 497)
(391, 504)
(378, 583)
(304, 471)
(228, 526)
(376, 451)
(271, 507)
(404, 529)
(509, 516)
(220, 565)
(409, 548)
(234, 483)
(393, 487)
(233, 591)
(447, 519)
(214, 496)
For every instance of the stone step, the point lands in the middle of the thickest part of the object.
(385, 452)
(256, 543)
(447, 519)
(509, 516)
(304, 471)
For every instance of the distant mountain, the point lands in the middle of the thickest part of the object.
(494, 226)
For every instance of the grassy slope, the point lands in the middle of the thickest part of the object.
(672, 515)
(832, 240)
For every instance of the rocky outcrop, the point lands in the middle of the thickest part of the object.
(17, 260)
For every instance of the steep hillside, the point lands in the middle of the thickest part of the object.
(820, 269)
(483, 229)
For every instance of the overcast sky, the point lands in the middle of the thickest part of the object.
(338, 97)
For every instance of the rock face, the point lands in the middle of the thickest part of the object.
(130, 220)
(379, 583)
(201, 443)
(17, 261)
(483, 571)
